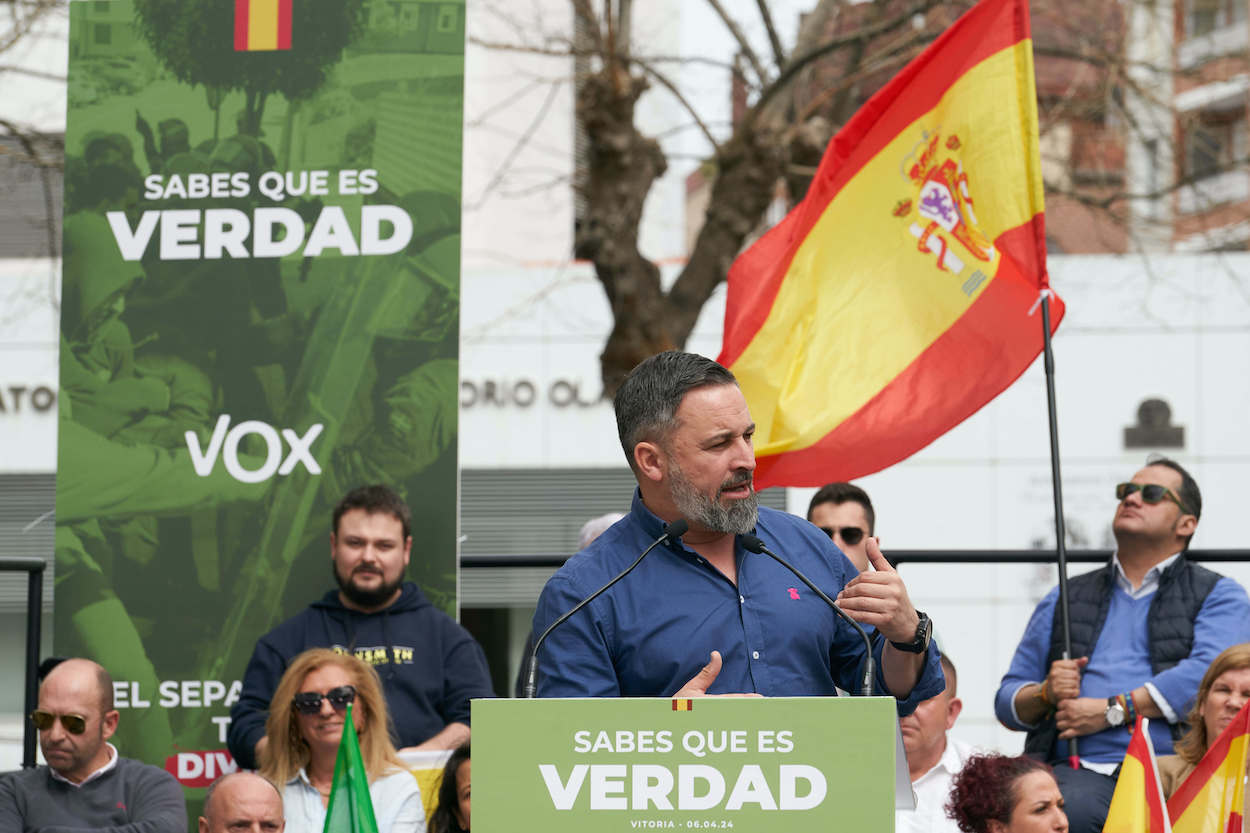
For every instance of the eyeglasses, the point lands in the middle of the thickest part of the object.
(1151, 493)
(75, 724)
(852, 535)
(309, 702)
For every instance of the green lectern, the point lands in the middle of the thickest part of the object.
(768, 764)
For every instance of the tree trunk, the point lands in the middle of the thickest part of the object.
(623, 166)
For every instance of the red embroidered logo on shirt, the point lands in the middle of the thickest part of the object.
(794, 594)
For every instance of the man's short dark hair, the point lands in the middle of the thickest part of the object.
(647, 401)
(948, 670)
(376, 498)
(1189, 493)
(839, 493)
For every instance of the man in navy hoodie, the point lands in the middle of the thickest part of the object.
(430, 666)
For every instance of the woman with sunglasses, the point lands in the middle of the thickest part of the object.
(1224, 690)
(305, 724)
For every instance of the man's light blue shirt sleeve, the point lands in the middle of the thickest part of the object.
(1223, 620)
(1029, 665)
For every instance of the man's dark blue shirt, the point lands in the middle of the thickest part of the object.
(653, 631)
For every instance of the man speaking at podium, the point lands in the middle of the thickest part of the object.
(702, 614)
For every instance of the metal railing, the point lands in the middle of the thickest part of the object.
(34, 568)
(896, 557)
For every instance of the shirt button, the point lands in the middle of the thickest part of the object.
(755, 655)
(742, 600)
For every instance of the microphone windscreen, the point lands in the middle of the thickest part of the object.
(751, 543)
(677, 529)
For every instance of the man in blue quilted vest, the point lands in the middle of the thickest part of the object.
(1144, 629)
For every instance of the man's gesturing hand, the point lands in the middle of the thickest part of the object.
(701, 682)
(880, 599)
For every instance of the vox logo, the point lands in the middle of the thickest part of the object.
(224, 444)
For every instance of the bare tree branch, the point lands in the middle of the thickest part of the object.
(539, 117)
(832, 45)
(33, 73)
(685, 103)
(744, 45)
(779, 53)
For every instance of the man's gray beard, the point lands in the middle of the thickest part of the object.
(738, 518)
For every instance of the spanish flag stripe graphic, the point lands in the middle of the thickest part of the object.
(893, 302)
(284, 24)
(262, 25)
(683, 705)
(240, 25)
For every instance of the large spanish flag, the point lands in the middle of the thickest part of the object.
(1213, 797)
(262, 25)
(900, 295)
(1137, 805)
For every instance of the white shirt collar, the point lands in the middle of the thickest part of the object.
(1149, 583)
(112, 762)
(951, 762)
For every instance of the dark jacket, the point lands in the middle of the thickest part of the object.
(1183, 587)
(429, 665)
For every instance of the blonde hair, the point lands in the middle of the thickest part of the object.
(1194, 744)
(287, 751)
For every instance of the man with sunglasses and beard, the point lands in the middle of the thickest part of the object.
(702, 614)
(86, 784)
(1144, 629)
(430, 666)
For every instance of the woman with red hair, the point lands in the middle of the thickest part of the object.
(998, 794)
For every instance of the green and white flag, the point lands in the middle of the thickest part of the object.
(351, 808)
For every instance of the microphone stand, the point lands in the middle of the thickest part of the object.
(753, 544)
(672, 532)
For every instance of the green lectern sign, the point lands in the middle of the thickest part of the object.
(743, 764)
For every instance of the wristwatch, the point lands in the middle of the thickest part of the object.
(920, 642)
(1115, 712)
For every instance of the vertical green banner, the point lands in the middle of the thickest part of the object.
(260, 311)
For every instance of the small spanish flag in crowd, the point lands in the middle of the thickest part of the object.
(900, 295)
(1213, 797)
(1137, 805)
(683, 704)
(262, 25)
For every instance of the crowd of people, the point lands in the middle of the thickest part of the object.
(1152, 634)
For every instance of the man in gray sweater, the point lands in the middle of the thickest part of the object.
(86, 784)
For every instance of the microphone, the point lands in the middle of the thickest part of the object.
(672, 532)
(753, 544)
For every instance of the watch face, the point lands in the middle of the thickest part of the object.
(1115, 715)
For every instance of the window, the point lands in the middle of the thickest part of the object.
(1213, 142)
(103, 34)
(1206, 16)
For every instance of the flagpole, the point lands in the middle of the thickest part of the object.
(1057, 492)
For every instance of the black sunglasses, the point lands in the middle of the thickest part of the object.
(75, 724)
(852, 535)
(1151, 493)
(309, 702)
